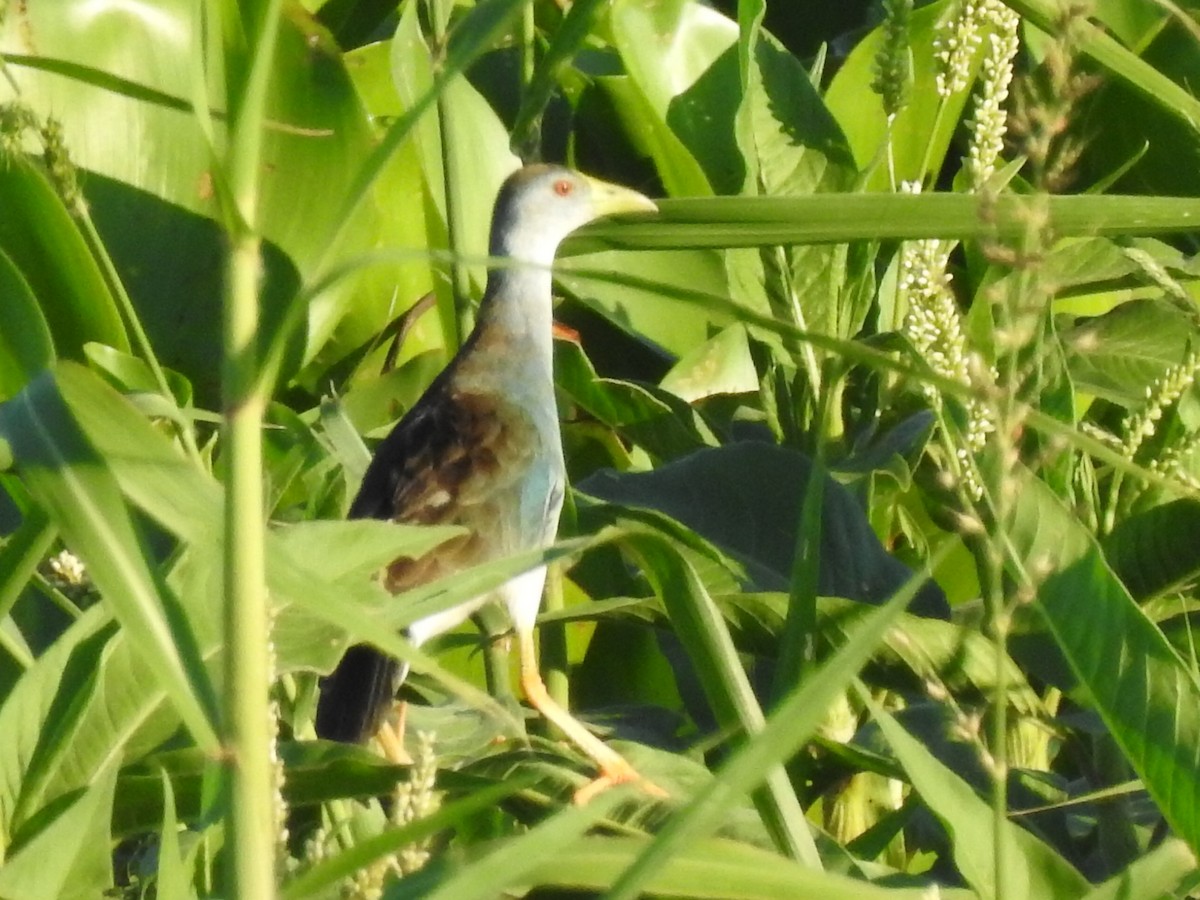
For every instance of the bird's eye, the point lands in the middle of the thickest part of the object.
(563, 187)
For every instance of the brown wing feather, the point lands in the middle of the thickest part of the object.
(457, 458)
(450, 461)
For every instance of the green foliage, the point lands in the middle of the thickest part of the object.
(841, 358)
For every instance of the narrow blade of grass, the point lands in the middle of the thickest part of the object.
(1033, 869)
(793, 722)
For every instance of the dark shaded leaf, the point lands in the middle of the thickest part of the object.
(747, 497)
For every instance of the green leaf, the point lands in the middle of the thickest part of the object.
(721, 365)
(1147, 697)
(464, 157)
(791, 723)
(173, 881)
(508, 864)
(711, 869)
(1153, 550)
(682, 56)
(43, 248)
(69, 858)
(659, 422)
(1031, 868)
(921, 133)
(746, 498)
(154, 208)
(681, 174)
(1156, 874)
(74, 691)
(644, 307)
(25, 343)
(20, 554)
(361, 547)
(1118, 355)
(71, 480)
(26, 707)
(131, 375)
(833, 218)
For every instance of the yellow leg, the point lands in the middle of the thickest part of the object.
(391, 738)
(614, 769)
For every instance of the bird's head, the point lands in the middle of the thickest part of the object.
(540, 205)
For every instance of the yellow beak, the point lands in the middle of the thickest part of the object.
(609, 199)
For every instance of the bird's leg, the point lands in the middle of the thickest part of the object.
(391, 737)
(614, 769)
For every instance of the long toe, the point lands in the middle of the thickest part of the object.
(390, 738)
(613, 774)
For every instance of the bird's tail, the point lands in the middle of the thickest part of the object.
(355, 697)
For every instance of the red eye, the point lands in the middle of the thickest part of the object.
(563, 187)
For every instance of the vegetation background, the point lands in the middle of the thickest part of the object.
(921, 298)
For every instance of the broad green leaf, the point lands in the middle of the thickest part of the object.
(75, 689)
(659, 422)
(1117, 356)
(464, 157)
(681, 56)
(793, 144)
(69, 858)
(1154, 550)
(42, 248)
(131, 375)
(746, 498)
(1031, 868)
(387, 290)
(359, 547)
(25, 343)
(679, 171)
(1156, 874)
(792, 147)
(721, 365)
(646, 309)
(154, 207)
(1145, 694)
(25, 709)
(67, 475)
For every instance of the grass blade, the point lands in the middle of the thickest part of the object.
(792, 723)
(1033, 869)
(70, 479)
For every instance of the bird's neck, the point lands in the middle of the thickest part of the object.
(515, 320)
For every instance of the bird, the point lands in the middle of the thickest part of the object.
(481, 449)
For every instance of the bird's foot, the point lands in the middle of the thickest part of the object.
(390, 738)
(612, 774)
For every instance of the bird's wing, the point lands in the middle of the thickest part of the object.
(457, 458)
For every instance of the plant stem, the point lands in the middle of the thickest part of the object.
(249, 43)
(553, 640)
(452, 182)
(248, 732)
